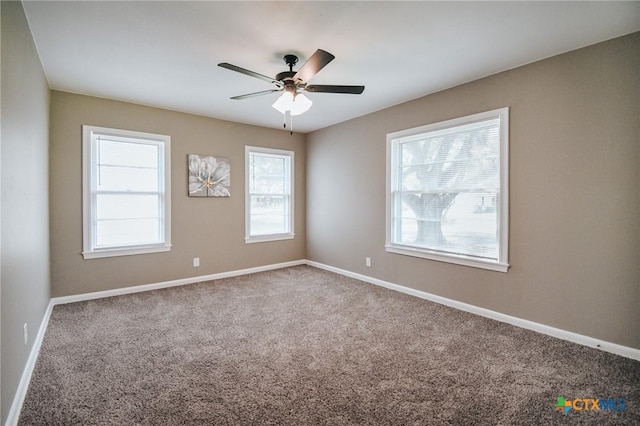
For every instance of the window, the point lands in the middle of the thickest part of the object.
(269, 192)
(447, 196)
(126, 192)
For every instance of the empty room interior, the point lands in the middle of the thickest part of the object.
(320, 212)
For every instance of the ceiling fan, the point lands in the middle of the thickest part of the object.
(293, 83)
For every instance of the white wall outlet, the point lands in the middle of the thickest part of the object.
(367, 261)
(196, 262)
(25, 333)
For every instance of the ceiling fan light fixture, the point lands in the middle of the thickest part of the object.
(296, 105)
(301, 104)
(283, 103)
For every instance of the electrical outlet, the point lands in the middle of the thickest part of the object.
(25, 333)
(196, 262)
(367, 261)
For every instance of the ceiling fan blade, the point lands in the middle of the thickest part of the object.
(327, 88)
(315, 63)
(249, 73)
(251, 95)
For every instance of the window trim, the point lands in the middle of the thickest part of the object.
(501, 264)
(88, 207)
(248, 238)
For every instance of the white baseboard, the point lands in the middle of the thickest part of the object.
(173, 283)
(23, 385)
(614, 348)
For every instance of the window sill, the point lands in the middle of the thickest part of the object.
(449, 258)
(267, 238)
(125, 251)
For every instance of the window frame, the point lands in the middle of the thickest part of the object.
(89, 192)
(393, 141)
(290, 234)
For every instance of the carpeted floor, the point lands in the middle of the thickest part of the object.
(302, 346)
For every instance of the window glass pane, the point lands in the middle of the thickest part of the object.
(112, 206)
(114, 178)
(470, 225)
(463, 160)
(269, 215)
(448, 182)
(269, 198)
(408, 230)
(268, 204)
(267, 174)
(116, 153)
(127, 232)
(268, 224)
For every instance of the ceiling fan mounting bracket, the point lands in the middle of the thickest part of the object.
(290, 60)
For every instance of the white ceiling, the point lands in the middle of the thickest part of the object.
(165, 54)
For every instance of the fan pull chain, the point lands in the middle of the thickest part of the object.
(284, 125)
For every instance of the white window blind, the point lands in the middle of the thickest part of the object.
(126, 196)
(269, 204)
(448, 191)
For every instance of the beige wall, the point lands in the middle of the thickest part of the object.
(574, 198)
(211, 229)
(24, 185)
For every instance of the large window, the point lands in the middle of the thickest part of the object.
(269, 191)
(447, 195)
(126, 192)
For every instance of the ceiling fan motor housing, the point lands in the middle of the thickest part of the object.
(285, 75)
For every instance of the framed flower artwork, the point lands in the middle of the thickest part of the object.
(209, 176)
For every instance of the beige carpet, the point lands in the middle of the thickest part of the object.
(302, 346)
